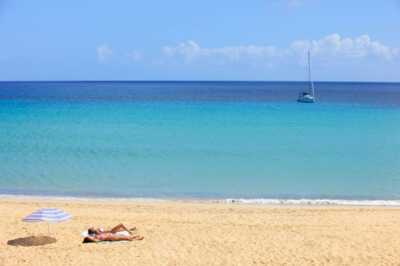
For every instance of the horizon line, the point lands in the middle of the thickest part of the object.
(200, 81)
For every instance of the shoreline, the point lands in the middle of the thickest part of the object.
(226, 201)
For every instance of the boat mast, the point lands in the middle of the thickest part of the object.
(309, 73)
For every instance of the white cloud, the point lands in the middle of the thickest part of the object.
(191, 51)
(331, 47)
(336, 46)
(104, 52)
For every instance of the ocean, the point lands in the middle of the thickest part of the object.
(234, 141)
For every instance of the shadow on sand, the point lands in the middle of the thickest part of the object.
(31, 241)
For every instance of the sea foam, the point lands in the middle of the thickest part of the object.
(317, 202)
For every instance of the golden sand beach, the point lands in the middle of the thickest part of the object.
(200, 233)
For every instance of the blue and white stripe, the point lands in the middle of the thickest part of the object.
(51, 215)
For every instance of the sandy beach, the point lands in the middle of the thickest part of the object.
(200, 233)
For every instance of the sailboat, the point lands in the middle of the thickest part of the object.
(308, 96)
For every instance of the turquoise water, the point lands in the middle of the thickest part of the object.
(199, 149)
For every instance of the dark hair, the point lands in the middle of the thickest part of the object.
(91, 231)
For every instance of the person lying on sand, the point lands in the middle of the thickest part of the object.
(117, 233)
(115, 229)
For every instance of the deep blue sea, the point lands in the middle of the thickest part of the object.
(208, 140)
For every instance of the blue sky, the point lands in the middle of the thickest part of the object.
(199, 40)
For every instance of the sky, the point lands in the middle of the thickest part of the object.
(357, 40)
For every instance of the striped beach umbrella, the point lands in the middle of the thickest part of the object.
(50, 215)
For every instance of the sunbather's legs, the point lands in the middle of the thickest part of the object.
(119, 228)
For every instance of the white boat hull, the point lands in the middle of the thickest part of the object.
(306, 99)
